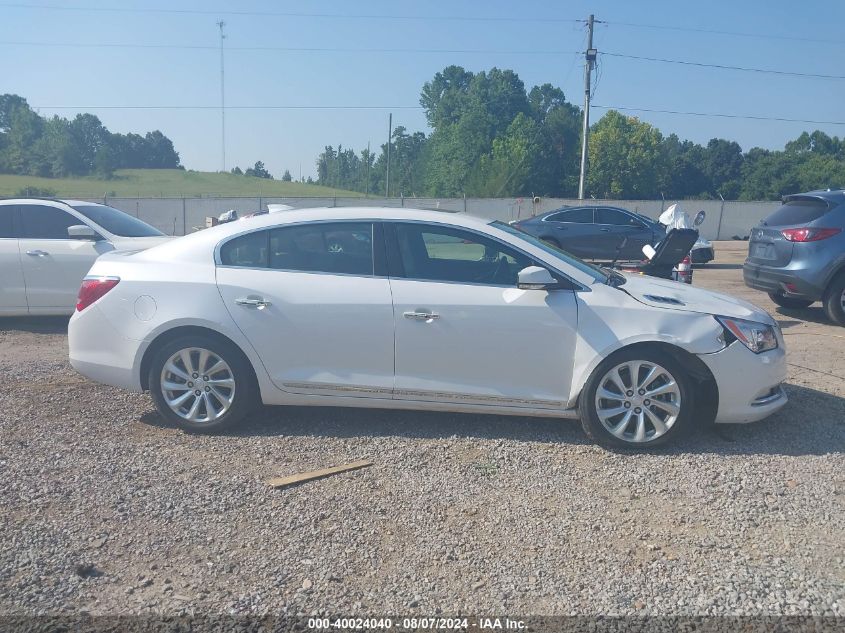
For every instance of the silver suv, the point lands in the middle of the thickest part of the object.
(797, 254)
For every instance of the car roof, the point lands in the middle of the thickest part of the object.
(831, 196)
(66, 201)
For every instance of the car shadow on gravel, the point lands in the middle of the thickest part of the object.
(35, 324)
(813, 314)
(813, 423)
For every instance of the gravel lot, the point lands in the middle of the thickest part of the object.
(106, 509)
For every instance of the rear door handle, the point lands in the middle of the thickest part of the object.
(605, 230)
(37, 253)
(253, 302)
(419, 315)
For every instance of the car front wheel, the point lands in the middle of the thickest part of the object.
(636, 399)
(200, 384)
(789, 302)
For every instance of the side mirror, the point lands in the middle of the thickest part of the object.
(536, 278)
(82, 232)
(649, 252)
(699, 218)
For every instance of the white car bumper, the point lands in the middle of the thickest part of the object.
(749, 384)
(99, 352)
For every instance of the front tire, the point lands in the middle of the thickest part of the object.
(200, 384)
(834, 300)
(790, 302)
(637, 399)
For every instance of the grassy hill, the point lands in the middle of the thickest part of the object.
(166, 182)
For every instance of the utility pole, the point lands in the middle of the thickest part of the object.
(389, 134)
(220, 25)
(589, 60)
(369, 160)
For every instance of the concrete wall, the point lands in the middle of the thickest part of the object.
(177, 216)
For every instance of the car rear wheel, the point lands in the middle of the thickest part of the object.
(834, 300)
(789, 302)
(637, 399)
(200, 384)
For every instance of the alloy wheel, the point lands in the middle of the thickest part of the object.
(197, 385)
(638, 401)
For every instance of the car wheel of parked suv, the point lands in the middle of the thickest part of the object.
(636, 399)
(200, 384)
(834, 299)
(790, 302)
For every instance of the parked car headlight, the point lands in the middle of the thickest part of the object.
(758, 337)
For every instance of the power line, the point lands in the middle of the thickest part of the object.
(720, 115)
(771, 36)
(287, 14)
(416, 107)
(724, 66)
(305, 49)
(230, 107)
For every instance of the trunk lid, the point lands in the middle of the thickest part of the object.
(767, 246)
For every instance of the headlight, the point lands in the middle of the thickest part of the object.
(758, 337)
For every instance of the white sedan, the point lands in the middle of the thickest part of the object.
(408, 309)
(47, 246)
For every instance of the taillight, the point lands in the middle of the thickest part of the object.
(809, 234)
(92, 289)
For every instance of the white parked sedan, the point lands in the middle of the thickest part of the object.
(408, 309)
(47, 246)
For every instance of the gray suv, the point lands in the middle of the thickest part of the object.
(797, 254)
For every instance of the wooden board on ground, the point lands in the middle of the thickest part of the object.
(281, 482)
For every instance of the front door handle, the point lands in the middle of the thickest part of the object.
(605, 230)
(37, 253)
(253, 302)
(420, 315)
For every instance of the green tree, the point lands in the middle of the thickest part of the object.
(258, 171)
(626, 158)
(286, 177)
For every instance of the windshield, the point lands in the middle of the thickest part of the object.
(117, 222)
(594, 271)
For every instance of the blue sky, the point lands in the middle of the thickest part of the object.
(52, 76)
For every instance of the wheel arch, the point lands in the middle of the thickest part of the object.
(189, 330)
(706, 397)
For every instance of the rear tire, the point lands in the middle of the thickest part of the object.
(790, 302)
(200, 384)
(834, 300)
(616, 411)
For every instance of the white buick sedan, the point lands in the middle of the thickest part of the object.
(47, 246)
(409, 309)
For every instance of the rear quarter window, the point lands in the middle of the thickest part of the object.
(797, 212)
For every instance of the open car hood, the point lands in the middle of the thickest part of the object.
(674, 295)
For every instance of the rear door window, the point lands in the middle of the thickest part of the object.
(615, 217)
(39, 222)
(797, 212)
(324, 247)
(7, 213)
(247, 251)
(578, 216)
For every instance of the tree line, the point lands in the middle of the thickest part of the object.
(57, 147)
(492, 137)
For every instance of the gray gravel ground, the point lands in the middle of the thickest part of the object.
(106, 509)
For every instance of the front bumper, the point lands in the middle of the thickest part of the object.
(769, 279)
(749, 384)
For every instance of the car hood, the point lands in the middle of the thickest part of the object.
(138, 243)
(674, 295)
